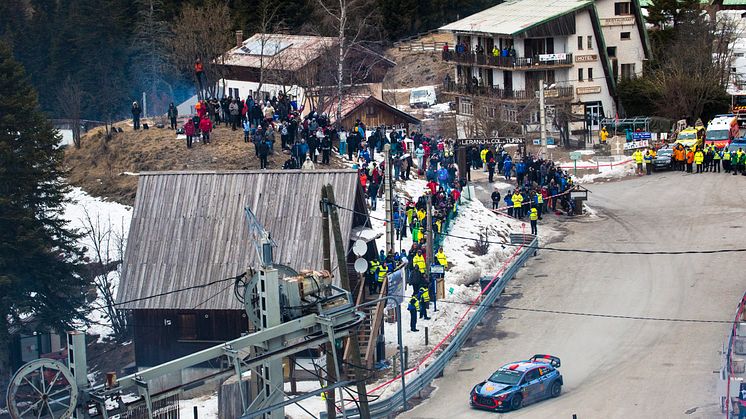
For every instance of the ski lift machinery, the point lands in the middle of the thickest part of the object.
(289, 312)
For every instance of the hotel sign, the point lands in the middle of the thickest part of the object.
(588, 90)
(618, 21)
(586, 58)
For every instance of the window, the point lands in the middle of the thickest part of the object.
(491, 112)
(580, 43)
(622, 8)
(590, 42)
(611, 51)
(465, 107)
(626, 36)
(370, 110)
(511, 115)
(531, 376)
(590, 74)
(580, 74)
(187, 327)
(628, 71)
(233, 92)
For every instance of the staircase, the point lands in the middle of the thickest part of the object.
(369, 329)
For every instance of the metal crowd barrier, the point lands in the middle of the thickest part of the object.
(393, 403)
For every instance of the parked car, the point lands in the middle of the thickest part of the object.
(519, 383)
(736, 144)
(663, 158)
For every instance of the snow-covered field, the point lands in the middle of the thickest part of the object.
(105, 226)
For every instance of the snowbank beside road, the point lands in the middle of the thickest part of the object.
(615, 172)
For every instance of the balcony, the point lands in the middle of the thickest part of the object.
(562, 93)
(539, 62)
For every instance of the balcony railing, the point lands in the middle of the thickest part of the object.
(537, 62)
(563, 92)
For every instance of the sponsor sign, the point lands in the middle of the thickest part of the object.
(636, 136)
(552, 57)
(588, 90)
(586, 58)
(575, 155)
(633, 145)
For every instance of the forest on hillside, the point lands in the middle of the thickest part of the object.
(104, 53)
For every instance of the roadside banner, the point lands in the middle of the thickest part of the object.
(396, 287)
(632, 145)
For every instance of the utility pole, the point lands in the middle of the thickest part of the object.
(542, 118)
(344, 281)
(387, 191)
(429, 236)
(331, 410)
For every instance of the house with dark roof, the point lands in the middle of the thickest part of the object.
(189, 232)
(301, 66)
(370, 110)
(579, 49)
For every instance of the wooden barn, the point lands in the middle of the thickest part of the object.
(189, 229)
(371, 111)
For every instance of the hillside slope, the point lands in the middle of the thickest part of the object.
(109, 169)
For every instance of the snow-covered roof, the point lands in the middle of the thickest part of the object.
(515, 16)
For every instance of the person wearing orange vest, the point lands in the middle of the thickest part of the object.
(199, 72)
(689, 160)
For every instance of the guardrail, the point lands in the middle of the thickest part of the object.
(392, 404)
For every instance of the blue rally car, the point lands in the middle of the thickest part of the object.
(519, 383)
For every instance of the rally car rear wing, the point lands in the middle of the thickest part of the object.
(548, 359)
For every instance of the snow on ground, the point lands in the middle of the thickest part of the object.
(585, 152)
(615, 172)
(110, 222)
(207, 407)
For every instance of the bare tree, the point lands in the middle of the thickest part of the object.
(203, 32)
(70, 101)
(694, 71)
(349, 19)
(150, 41)
(107, 244)
(267, 26)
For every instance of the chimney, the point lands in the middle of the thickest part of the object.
(239, 38)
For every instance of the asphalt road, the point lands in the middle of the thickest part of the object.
(620, 368)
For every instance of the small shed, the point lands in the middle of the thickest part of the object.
(189, 229)
(371, 111)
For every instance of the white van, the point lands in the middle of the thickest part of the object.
(422, 97)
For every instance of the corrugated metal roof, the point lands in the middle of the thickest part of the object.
(281, 51)
(189, 228)
(515, 16)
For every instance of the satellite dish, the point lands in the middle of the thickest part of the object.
(359, 248)
(361, 265)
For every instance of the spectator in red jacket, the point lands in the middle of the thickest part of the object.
(205, 125)
(432, 186)
(189, 131)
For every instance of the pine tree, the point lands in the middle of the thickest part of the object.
(39, 258)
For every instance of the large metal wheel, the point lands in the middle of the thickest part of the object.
(43, 388)
(251, 294)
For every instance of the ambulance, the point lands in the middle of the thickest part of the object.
(722, 130)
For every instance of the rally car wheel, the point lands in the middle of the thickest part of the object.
(516, 402)
(556, 389)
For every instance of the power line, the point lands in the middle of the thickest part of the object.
(574, 250)
(579, 313)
